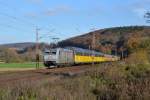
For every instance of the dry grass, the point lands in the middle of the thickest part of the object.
(106, 82)
(3, 70)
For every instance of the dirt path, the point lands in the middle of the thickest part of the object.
(3, 70)
(11, 77)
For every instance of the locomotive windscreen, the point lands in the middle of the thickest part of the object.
(52, 51)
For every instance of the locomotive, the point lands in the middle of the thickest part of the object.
(73, 55)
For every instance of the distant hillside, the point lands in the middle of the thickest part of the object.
(24, 46)
(20, 52)
(18, 45)
(110, 39)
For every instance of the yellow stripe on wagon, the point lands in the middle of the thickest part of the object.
(89, 59)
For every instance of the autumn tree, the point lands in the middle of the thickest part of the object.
(134, 42)
(12, 56)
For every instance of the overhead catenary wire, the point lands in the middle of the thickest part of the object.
(16, 18)
(23, 21)
(2, 4)
(6, 26)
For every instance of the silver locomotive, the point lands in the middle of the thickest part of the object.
(58, 57)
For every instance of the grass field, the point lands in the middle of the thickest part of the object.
(19, 65)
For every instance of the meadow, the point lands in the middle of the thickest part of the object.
(19, 65)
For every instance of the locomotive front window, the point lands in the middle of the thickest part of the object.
(53, 52)
(46, 52)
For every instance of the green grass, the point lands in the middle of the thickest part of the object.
(19, 65)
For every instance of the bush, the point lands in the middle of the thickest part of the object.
(117, 82)
(139, 57)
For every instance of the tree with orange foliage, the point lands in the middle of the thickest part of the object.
(134, 41)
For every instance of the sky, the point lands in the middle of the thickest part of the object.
(65, 18)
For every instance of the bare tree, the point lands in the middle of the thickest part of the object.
(147, 16)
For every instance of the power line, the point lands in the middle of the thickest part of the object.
(16, 18)
(19, 20)
(14, 28)
(13, 17)
(2, 4)
(54, 33)
(14, 10)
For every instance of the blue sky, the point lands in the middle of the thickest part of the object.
(65, 18)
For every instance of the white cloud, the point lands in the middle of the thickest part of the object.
(140, 7)
(57, 10)
(31, 15)
(140, 12)
(35, 1)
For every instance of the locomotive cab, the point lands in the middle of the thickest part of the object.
(50, 57)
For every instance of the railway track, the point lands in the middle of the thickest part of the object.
(40, 74)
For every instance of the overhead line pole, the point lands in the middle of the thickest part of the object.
(93, 47)
(37, 48)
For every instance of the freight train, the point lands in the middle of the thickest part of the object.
(73, 55)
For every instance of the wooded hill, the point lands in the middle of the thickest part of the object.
(112, 40)
(120, 41)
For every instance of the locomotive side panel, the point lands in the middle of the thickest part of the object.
(65, 57)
